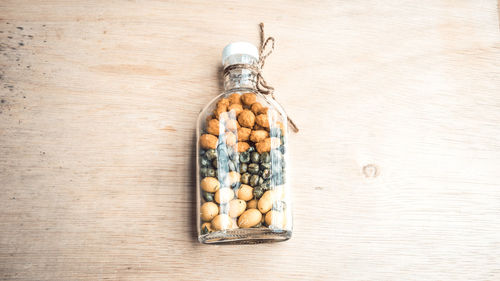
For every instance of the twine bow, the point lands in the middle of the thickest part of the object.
(262, 85)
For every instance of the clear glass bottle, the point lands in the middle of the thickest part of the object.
(242, 158)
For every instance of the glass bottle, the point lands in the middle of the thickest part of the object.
(242, 158)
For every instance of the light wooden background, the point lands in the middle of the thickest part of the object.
(396, 168)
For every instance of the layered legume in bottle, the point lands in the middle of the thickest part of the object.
(242, 159)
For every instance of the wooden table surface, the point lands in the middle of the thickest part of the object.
(396, 169)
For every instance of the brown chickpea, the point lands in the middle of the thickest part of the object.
(234, 177)
(223, 102)
(235, 99)
(244, 133)
(243, 146)
(210, 117)
(263, 146)
(267, 144)
(236, 108)
(231, 125)
(230, 139)
(258, 127)
(256, 108)
(252, 204)
(220, 110)
(213, 127)
(208, 141)
(246, 118)
(248, 98)
(258, 135)
(262, 120)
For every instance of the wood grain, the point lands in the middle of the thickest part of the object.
(396, 167)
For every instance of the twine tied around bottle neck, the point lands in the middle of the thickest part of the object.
(262, 85)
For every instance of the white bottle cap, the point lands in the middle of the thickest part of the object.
(239, 48)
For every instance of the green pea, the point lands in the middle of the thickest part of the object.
(282, 149)
(243, 168)
(253, 168)
(254, 180)
(204, 161)
(214, 163)
(266, 185)
(202, 152)
(255, 157)
(266, 173)
(203, 171)
(209, 197)
(245, 157)
(210, 172)
(265, 166)
(261, 181)
(251, 149)
(257, 192)
(211, 154)
(245, 178)
(265, 157)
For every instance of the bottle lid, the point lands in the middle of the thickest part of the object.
(239, 48)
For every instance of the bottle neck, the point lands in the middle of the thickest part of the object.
(240, 76)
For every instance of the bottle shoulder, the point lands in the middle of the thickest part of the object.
(236, 101)
(264, 100)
